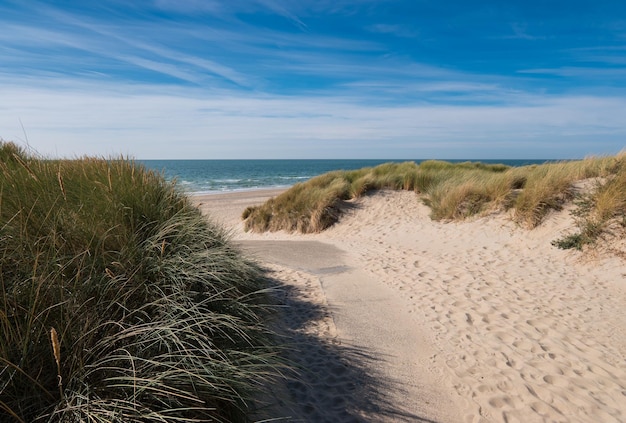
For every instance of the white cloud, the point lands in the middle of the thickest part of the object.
(184, 123)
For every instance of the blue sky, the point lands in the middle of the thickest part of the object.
(379, 79)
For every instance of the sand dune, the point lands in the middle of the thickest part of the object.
(476, 321)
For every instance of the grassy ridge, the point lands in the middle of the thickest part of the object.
(119, 302)
(453, 191)
(314, 205)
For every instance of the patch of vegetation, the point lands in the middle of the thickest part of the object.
(452, 191)
(600, 209)
(119, 301)
(572, 241)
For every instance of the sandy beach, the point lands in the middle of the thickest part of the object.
(394, 317)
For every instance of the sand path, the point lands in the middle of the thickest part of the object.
(371, 330)
(446, 322)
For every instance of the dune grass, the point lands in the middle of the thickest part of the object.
(601, 210)
(452, 191)
(119, 302)
(316, 204)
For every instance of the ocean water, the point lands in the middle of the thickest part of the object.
(214, 176)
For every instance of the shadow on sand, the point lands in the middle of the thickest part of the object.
(328, 382)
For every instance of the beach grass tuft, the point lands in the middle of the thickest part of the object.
(119, 301)
(600, 210)
(453, 191)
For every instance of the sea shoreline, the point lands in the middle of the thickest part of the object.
(215, 176)
(244, 191)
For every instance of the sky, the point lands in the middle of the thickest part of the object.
(287, 79)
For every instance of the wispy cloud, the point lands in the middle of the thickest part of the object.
(397, 30)
(611, 55)
(121, 44)
(283, 10)
(228, 10)
(203, 65)
(520, 31)
(215, 7)
(585, 72)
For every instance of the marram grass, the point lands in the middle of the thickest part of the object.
(452, 191)
(119, 302)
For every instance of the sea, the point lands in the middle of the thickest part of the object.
(219, 176)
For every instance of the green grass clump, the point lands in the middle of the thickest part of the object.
(452, 191)
(601, 210)
(119, 301)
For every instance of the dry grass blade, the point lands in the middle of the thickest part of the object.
(56, 349)
(56, 346)
(60, 178)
